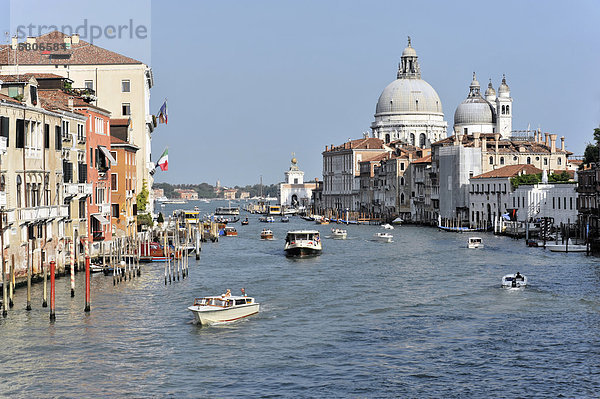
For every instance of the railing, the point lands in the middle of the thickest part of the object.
(42, 212)
(70, 189)
(85, 189)
(104, 209)
(3, 198)
(98, 235)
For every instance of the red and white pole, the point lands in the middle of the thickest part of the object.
(52, 290)
(72, 267)
(87, 283)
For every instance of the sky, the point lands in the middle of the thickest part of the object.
(249, 83)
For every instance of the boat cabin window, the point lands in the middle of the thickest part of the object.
(240, 301)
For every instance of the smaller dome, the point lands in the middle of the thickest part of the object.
(490, 92)
(409, 52)
(474, 111)
(504, 90)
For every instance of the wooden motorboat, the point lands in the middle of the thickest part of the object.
(245, 222)
(266, 234)
(223, 309)
(230, 232)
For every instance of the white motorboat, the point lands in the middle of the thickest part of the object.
(303, 242)
(387, 226)
(383, 237)
(223, 309)
(475, 242)
(514, 281)
(566, 247)
(266, 234)
(339, 234)
(266, 219)
(398, 221)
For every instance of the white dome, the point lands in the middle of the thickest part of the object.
(474, 111)
(409, 96)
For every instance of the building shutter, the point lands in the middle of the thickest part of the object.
(57, 138)
(82, 173)
(46, 136)
(67, 172)
(134, 209)
(4, 126)
(20, 133)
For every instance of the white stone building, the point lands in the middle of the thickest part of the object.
(409, 109)
(294, 192)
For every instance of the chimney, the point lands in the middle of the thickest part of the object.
(75, 38)
(476, 139)
(14, 43)
(30, 39)
(553, 142)
(70, 103)
(547, 142)
(326, 148)
(67, 40)
(562, 143)
(539, 136)
(497, 138)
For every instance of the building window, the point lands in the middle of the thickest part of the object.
(125, 86)
(570, 202)
(528, 160)
(559, 161)
(508, 110)
(89, 84)
(401, 165)
(113, 182)
(115, 210)
(295, 180)
(126, 109)
(545, 161)
(501, 160)
(422, 140)
(412, 139)
(466, 130)
(553, 203)
(491, 160)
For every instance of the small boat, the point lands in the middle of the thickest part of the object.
(245, 222)
(398, 221)
(566, 247)
(227, 210)
(514, 281)
(387, 226)
(475, 242)
(303, 242)
(223, 309)
(230, 232)
(383, 237)
(266, 219)
(321, 220)
(285, 219)
(96, 268)
(266, 234)
(339, 234)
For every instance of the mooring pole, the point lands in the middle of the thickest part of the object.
(72, 267)
(87, 283)
(52, 291)
(11, 282)
(28, 307)
(4, 291)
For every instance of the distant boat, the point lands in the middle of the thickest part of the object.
(285, 219)
(383, 237)
(339, 234)
(266, 234)
(387, 226)
(221, 309)
(398, 221)
(230, 232)
(566, 247)
(514, 281)
(245, 222)
(475, 242)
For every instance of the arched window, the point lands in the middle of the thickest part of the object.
(402, 198)
(491, 160)
(503, 109)
(412, 139)
(501, 160)
(402, 181)
(559, 162)
(528, 160)
(2, 183)
(422, 140)
(18, 193)
(387, 138)
(508, 110)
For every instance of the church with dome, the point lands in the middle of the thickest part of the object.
(409, 110)
(492, 114)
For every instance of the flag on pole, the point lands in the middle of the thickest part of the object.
(162, 114)
(163, 161)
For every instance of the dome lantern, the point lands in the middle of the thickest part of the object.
(408, 68)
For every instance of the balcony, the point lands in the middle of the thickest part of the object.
(2, 198)
(27, 215)
(84, 189)
(70, 189)
(104, 209)
(129, 194)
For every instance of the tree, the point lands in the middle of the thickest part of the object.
(142, 197)
(591, 153)
(161, 218)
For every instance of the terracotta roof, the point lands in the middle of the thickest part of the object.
(82, 53)
(505, 146)
(6, 98)
(121, 143)
(368, 143)
(25, 77)
(119, 121)
(425, 159)
(510, 171)
(56, 99)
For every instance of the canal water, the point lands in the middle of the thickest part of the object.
(420, 317)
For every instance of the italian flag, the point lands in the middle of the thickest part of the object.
(163, 161)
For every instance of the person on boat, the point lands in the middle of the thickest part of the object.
(514, 283)
(518, 276)
(227, 294)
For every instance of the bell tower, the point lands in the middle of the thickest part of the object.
(504, 109)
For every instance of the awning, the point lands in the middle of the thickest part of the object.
(107, 154)
(99, 217)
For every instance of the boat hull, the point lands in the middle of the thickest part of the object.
(222, 315)
(302, 251)
(564, 248)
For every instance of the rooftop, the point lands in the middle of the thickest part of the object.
(510, 171)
